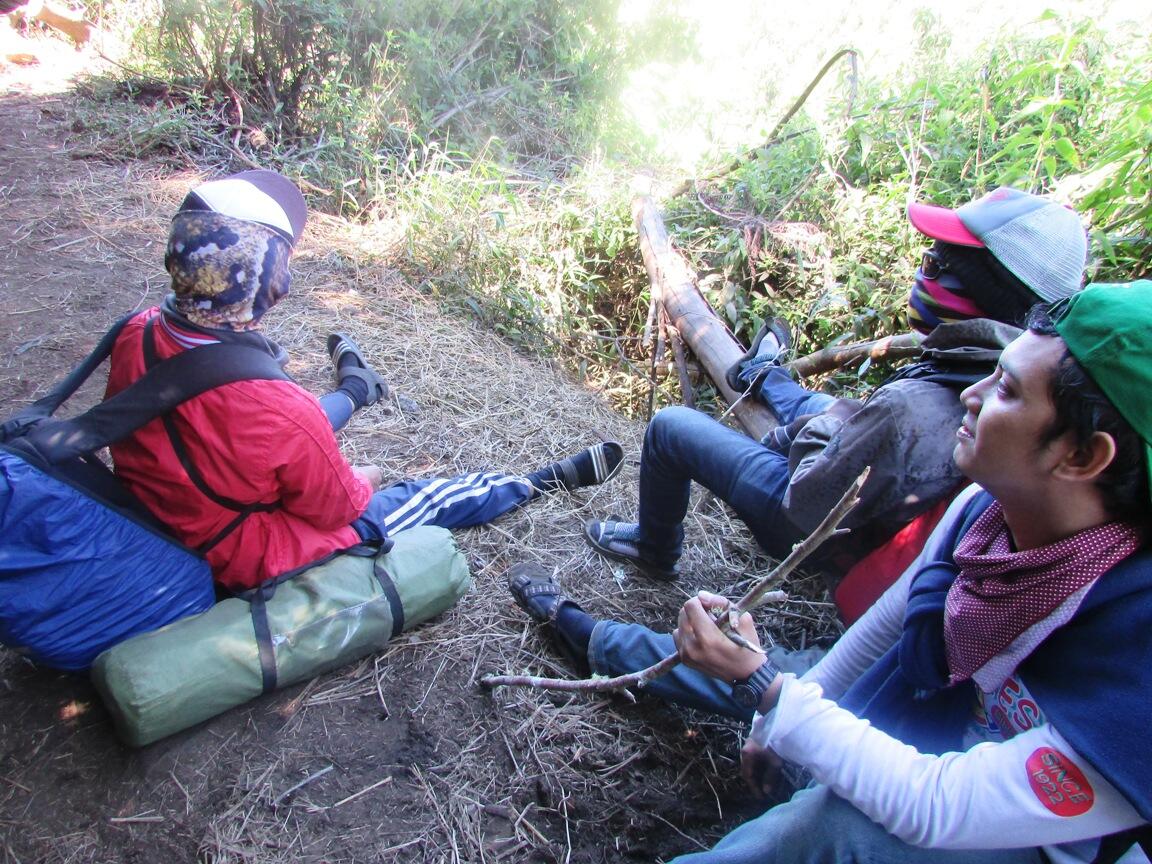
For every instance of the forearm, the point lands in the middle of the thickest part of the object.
(993, 793)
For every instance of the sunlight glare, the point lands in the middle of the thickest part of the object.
(751, 60)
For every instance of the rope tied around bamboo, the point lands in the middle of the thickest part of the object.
(764, 591)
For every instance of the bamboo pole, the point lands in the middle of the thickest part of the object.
(674, 286)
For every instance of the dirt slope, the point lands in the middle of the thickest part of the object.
(446, 772)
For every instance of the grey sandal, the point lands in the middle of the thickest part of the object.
(617, 540)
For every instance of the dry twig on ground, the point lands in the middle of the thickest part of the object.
(762, 592)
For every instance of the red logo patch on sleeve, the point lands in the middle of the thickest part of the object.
(1059, 784)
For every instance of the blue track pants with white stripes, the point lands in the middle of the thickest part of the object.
(457, 502)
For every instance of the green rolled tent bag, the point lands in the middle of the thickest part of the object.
(159, 683)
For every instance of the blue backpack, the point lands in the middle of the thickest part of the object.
(83, 565)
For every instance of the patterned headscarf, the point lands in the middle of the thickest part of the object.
(973, 285)
(933, 302)
(226, 272)
(229, 247)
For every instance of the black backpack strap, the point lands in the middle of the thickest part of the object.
(958, 376)
(243, 509)
(46, 405)
(155, 393)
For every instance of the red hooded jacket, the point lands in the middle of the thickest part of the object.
(252, 441)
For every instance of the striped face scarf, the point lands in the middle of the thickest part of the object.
(1003, 603)
(933, 302)
(973, 284)
(226, 272)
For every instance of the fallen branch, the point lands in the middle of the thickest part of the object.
(833, 357)
(689, 315)
(759, 594)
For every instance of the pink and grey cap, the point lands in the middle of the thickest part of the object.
(1040, 241)
(261, 196)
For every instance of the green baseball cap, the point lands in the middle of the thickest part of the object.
(1108, 329)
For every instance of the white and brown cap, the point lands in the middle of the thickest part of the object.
(254, 196)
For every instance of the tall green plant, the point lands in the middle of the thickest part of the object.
(1044, 109)
(511, 71)
(1119, 175)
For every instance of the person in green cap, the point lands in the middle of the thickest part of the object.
(993, 705)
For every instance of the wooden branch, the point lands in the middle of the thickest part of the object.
(827, 359)
(759, 594)
(829, 527)
(491, 95)
(681, 366)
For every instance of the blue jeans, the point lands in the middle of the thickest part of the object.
(457, 502)
(683, 445)
(787, 399)
(618, 649)
(818, 827)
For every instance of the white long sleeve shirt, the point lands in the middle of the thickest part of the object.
(1019, 786)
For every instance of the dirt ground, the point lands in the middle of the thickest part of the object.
(400, 757)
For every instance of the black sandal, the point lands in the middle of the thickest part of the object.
(535, 592)
(340, 344)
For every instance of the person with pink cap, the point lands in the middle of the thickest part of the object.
(991, 261)
(250, 473)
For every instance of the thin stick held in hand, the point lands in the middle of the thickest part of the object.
(759, 594)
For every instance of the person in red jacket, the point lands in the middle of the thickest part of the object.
(250, 473)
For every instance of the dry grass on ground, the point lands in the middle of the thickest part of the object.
(400, 757)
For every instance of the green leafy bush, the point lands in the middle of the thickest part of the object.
(1058, 112)
(349, 89)
(482, 127)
